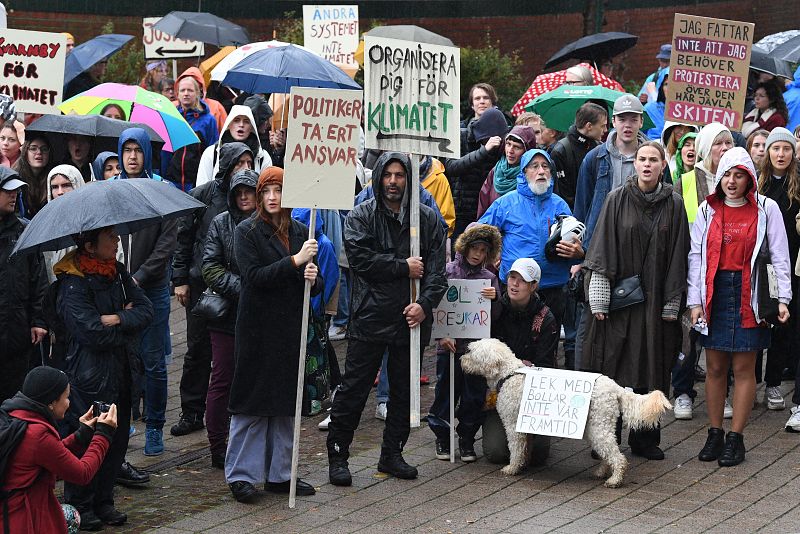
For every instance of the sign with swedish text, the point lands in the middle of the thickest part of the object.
(463, 312)
(33, 69)
(555, 402)
(412, 97)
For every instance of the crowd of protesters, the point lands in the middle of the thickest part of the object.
(701, 223)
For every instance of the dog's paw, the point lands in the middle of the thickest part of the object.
(511, 470)
(602, 471)
(613, 482)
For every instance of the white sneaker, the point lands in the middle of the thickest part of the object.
(774, 398)
(324, 423)
(683, 407)
(727, 412)
(337, 333)
(793, 424)
(380, 411)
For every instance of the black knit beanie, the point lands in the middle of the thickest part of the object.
(45, 384)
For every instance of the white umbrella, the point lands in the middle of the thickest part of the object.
(231, 60)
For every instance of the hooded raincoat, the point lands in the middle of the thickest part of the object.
(377, 243)
(524, 219)
(707, 242)
(193, 229)
(695, 185)
(51, 257)
(220, 270)
(209, 161)
(202, 121)
(792, 99)
(646, 235)
(216, 109)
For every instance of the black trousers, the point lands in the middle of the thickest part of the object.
(197, 361)
(15, 365)
(556, 300)
(99, 493)
(361, 365)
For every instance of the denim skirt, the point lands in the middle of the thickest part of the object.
(725, 330)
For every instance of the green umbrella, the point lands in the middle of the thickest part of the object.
(558, 107)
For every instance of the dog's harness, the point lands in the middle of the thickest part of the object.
(491, 398)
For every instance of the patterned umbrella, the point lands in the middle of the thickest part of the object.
(140, 106)
(544, 83)
(236, 56)
(771, 42)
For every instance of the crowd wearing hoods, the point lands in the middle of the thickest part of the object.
(647, 247)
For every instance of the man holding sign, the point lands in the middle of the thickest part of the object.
(377, 242)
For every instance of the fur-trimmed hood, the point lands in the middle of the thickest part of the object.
(481, 232)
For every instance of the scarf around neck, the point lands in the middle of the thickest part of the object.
(90, 265)
(505, 176)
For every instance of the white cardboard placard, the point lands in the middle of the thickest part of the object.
(463, 313)
(160, 45)
(33, 69)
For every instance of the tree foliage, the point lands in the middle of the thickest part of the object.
(488, 64)
(127, 65)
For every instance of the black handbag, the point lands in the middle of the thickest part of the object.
(625, 293)
(212, 306)
(767, 285)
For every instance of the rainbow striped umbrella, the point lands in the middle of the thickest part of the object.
(139, 105)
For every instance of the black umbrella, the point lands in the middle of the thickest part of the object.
(409, 32)
(105, 132)
(203, 27)
(128, 205)
(763, 61)
(789, 50)
(595, 48)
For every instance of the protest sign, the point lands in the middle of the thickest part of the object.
(412, 97)
(321, 148)
(33, 69)
(160, 45)
(708, 71)
(463, 313)
(332, 33)
(555, 402)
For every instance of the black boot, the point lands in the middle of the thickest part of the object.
(733, 452)
(187, 423)
(338, 471)
(392, 462)
(713, 447)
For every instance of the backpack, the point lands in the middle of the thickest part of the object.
(12, 430)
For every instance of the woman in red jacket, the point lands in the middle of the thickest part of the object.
(42, 456)
(769, 111)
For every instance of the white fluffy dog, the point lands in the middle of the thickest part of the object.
(493, 360)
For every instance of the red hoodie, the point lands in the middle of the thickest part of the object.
(216, 109)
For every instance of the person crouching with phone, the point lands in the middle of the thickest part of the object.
(41, 456)
(104, 312)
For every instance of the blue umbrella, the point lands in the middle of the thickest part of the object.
(276, 70)
(93, 51)
(128, 205)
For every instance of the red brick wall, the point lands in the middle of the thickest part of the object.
(536, 38)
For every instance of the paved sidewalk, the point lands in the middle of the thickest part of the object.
(678, 495)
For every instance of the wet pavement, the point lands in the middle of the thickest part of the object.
(677, 495)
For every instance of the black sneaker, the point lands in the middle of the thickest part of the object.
(243, 491)
(650, 452)
(218, 461)
(303, 488)
(466, 450)
(394, 464)
(187, 424)
(442, 449)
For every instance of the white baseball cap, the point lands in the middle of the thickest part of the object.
(528, 269)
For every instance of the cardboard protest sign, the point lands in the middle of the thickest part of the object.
(708, 71)
(321, 148)
(412, 97)
(160, 45)
(463, 313)
(332, 33)
(555, 402)
(33, 69)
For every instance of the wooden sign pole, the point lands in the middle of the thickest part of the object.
(415, 286)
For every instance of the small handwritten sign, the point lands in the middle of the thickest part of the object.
(708, 71)
(332, 32)
(555, 402)
(463, 313)
(33, 69)
(321, 148)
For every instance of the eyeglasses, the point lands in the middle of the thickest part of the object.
(44, 149)
(537, 166)
(573, 82)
